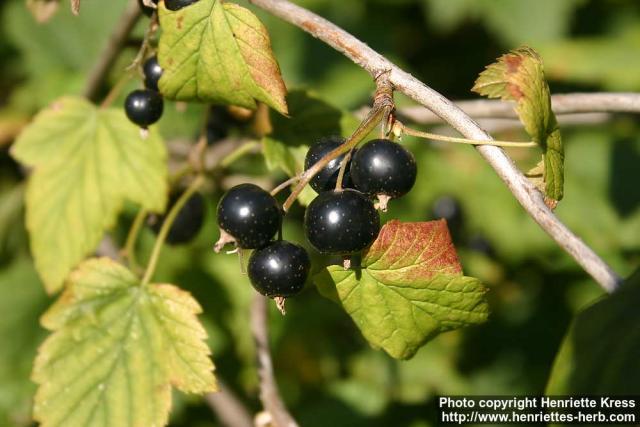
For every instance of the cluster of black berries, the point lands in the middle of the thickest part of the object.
(144, 107)
(337, 222)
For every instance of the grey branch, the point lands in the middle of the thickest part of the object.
(117, 40)
(269, 394)
(523, 190)
(228, 407)
(565, 104)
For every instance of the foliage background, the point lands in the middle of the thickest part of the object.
(327, 372)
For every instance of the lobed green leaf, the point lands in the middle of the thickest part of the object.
(117, 348)
(87, 161)
(218, 52)
(408, 288)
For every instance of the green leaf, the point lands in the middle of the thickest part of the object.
(22, 300)
(519, 76)
(409, 288)
(43, 10)
(513, 22)
(117, 348)
(86, 162)
(599, 355)
(218, 52)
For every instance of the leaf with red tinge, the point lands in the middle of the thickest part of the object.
(408, 288)
(519, 76)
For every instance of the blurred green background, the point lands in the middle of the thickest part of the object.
(327, 372)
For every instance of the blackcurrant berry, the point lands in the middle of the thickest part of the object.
(152, 73)
(449, 208)
(249, 214)
(187, 223)
(279, 269)
(144, 107)
(341, 222)
(147, 10)
(326, 179)
(178, 4)
(382, 167)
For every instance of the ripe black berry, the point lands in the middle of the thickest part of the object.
(449, 208)
(147, 10)
(341, 222)
(279, 269)
(188, 222)
(152, 73)
(326, 179)
(249, 214)
(144, 107)
(178, 4)
(382, 167)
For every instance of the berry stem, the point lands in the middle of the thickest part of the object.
(284, 185)
(241, 151)
(115, 90)
(152, 28)
(368, 124)
(166, 226)
(129, 251)
(343, 168)
(433, 136)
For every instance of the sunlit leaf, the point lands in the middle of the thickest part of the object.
(87, 161)
(519, 76)
(408, 289)
(116, 350)
(218, 52)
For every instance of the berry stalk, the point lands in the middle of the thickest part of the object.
(166, 227)
(368, 124)
(129, 251)
(399, 127)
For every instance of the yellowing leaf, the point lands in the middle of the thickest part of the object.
(86, 162)
(519, 76)
(218, 52)
(117, 348)
(409, 288)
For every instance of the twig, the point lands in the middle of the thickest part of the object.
(524, 191)
(269, 394)
(109, 54)
(228, 407)
(569, 103)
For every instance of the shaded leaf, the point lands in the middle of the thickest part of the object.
(117, 348)
(601, 60)
(519, 76)
(22, 300)
(599, 355)
(409, 288)
(43, 10)
(512, 21)
(86, 162)
(218, 52)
